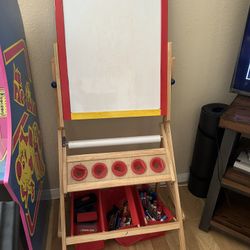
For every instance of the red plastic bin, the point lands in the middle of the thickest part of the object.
(96, 245)
(116, 196)
(140, 211)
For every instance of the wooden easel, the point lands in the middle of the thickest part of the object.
(169, 176)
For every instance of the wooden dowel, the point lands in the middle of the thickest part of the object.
(114, 141)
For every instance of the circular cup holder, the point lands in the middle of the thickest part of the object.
(139, 166)
(79, 172)
(99, 170)
(157, 165)
(119, 168)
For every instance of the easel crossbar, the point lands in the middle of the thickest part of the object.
(122, 233)
(115, 155)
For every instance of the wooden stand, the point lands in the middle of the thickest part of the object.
(233, 220)
(67, 185)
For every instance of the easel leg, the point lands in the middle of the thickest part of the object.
(62, 201)
(179, 216)
(175, 190)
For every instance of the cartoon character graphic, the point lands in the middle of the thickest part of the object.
(19, 95)
(39, 164)
(28, 162)
(25, 166)
(30, 103)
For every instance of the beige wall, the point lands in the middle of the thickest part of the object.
(38, 17)
(206, 36)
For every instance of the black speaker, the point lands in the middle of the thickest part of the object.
(207, 143)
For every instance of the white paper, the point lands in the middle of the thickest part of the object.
(113, 54)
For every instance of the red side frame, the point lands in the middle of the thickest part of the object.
(164, 56)
(63, 58)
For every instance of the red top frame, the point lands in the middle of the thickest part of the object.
(63, 58)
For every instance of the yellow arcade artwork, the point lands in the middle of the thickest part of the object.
(29, 162)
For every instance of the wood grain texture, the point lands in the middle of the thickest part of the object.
(232, 213)
(168, 153)
(62, 201)
(114, 155)
(118, 182)
(235, 186)
(237, 117)
(229, 231)
(174, 186)
(170, 68)
(238, 176)
(122, 233)
(56, 76)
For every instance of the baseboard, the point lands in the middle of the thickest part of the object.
(53, 194)
(183, 178)
(50, 194)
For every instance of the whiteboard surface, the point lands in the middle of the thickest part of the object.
(113, 52)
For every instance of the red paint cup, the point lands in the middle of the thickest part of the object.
(157, 165)
(79, 172)
(99, 170)
(139, 166)
(119, 168)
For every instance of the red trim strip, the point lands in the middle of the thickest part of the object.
(13, 51)
(164, 55)
(62, 59)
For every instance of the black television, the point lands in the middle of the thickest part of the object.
(241, 78)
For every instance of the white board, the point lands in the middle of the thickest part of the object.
(113, 50)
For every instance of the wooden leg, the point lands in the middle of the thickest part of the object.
(62, 201)
(175, 190)
(179, 217)
(215, 184)
(172, 196)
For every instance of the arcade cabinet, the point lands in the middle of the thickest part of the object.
(22, 166)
